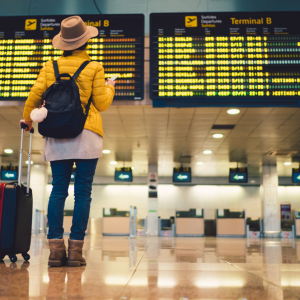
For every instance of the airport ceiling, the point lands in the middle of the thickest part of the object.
(142, 135)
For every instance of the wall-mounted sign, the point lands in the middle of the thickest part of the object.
(9, 173)
(224, 59)
(238, 175)
(123, 174)
(26, 44)
(182, 174)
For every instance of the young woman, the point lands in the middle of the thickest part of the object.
(84, 150)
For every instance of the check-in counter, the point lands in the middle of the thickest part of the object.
(115, 222)
(166, 227)
(297, 224)
(254, 228)
(230, 224)
(190, 223)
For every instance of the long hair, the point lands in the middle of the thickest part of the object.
(70, 52)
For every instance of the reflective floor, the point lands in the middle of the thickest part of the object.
(160, 268)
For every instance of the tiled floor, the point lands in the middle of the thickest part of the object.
(160, 268)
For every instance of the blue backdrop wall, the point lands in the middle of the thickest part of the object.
(70, 7)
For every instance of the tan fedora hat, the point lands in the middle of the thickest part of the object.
(73, 34)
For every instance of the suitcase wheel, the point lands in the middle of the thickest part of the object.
(26, 256)
(13, 258)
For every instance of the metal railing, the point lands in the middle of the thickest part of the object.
(40, 224)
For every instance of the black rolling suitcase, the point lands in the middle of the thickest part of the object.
(16, 223)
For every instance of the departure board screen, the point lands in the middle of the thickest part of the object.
(26, 45)
(225, 59)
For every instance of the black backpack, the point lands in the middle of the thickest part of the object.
(65, 118)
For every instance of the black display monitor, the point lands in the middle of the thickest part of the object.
(123, 174)
(9, 173)
(238, 175)
(26, 45)
(182, 174)
(225, 59)
(296, 175)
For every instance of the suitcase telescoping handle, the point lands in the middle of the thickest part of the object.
(23, 126)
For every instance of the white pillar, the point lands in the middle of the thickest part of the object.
(152, 221)
(38, 184)
(270, 201)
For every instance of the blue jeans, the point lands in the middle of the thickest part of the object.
(61, 173)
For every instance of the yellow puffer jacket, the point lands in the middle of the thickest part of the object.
(90, 81)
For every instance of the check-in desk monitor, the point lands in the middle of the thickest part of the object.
(115, 222)
(190, 223)
(230, 223)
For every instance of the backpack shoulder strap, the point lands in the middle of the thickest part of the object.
(55, 66)
(76, 74)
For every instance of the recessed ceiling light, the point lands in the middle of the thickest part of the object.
(217, 135)
(199, 163)
(8, 151)
(106, 151)
(287, 163)
(31, 162)
(113, 162)
(233, 111)
(207, 152)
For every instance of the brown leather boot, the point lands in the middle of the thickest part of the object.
(58, 255)
(75, 258)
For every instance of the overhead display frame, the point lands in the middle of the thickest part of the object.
(182, 174)
(9, 173)
(123, 174)
(296, 175)
(225, 59)
(238, 175)
(26, 45)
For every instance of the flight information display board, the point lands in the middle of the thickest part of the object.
(26, 45)
(225, 59)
